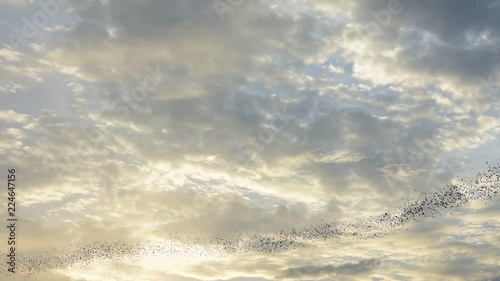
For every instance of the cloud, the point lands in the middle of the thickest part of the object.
(366, 121)
(360, 267)
(12, 116)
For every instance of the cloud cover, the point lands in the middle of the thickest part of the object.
(249, 128)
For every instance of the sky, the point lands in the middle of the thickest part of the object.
(170, 122)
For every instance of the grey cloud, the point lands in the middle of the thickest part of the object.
(450, 20)
(259, 56)
(360, 267)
